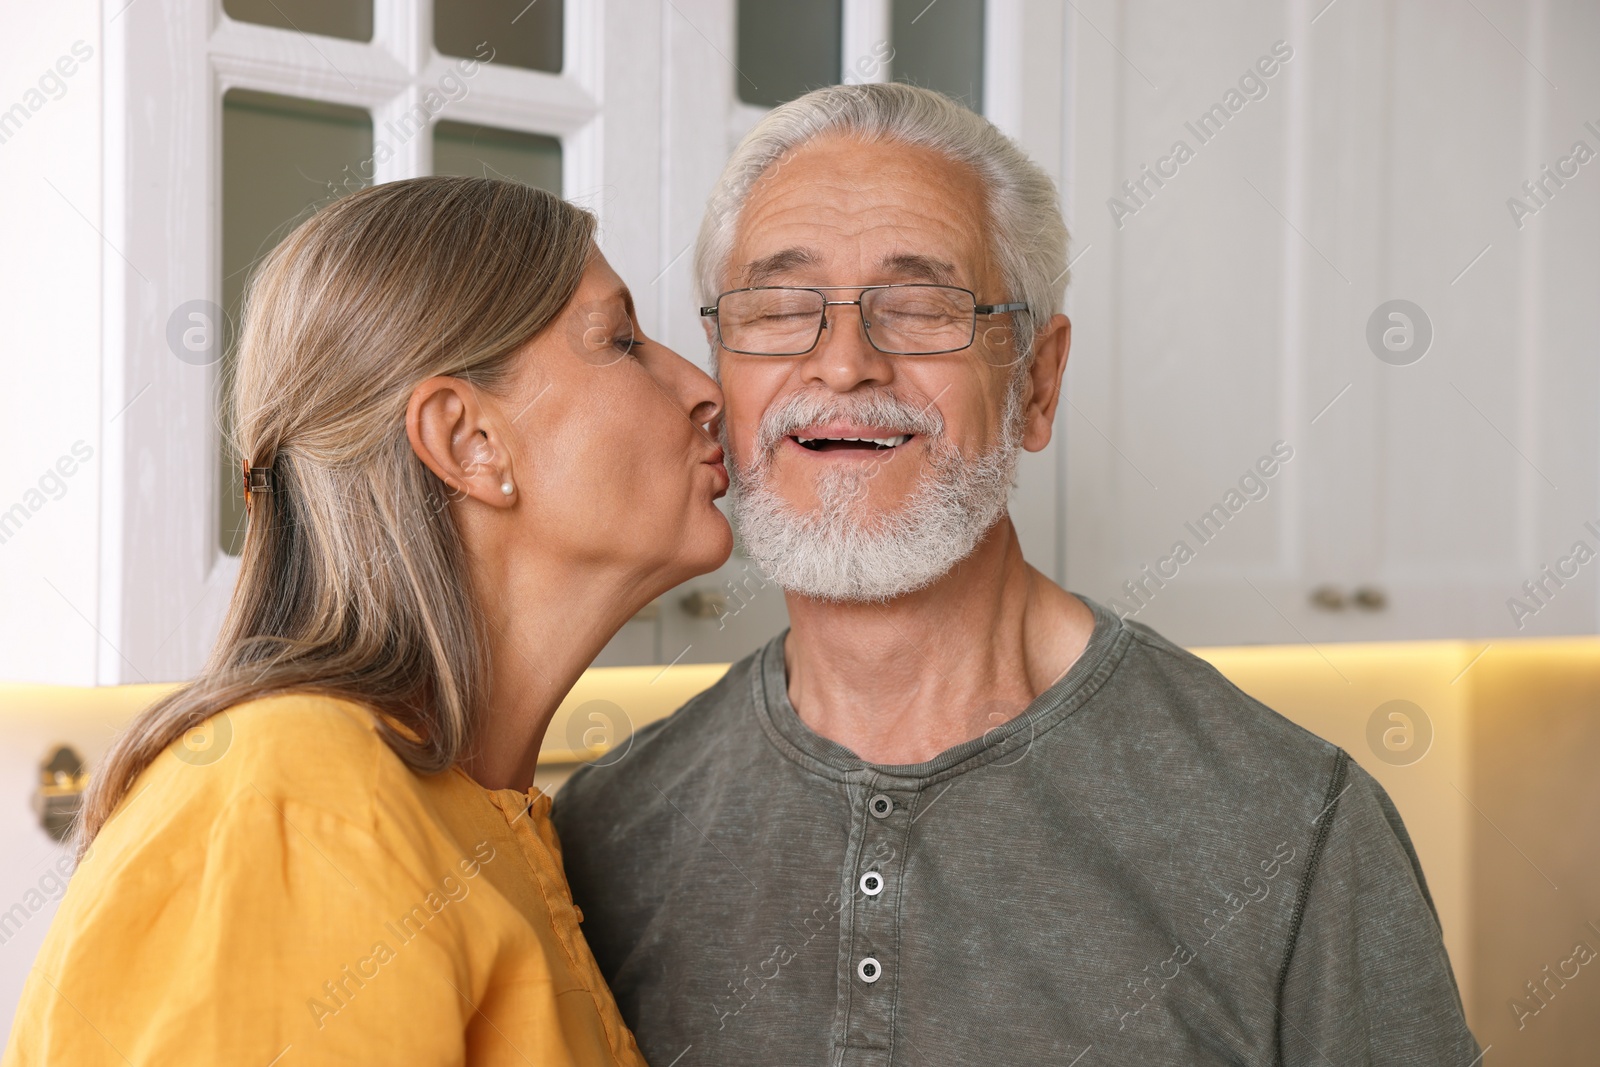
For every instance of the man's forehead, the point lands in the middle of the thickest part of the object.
(800, 260)
(843, 203)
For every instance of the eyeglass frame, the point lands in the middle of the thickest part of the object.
(822, 317)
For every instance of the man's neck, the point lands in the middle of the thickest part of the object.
(901, 682)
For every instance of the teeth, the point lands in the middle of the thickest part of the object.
(883, 442)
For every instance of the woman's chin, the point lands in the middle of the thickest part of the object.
(706, 546)
(716, 545)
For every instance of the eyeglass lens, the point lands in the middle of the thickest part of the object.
(902, 319)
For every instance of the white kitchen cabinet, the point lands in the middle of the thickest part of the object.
(1222, 311)
(1228, 308)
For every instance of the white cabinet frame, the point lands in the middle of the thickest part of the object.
(165, 581)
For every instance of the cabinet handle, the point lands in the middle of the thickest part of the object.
(1370, 598)
(1328, 598)
(62, 780)
(705, 604)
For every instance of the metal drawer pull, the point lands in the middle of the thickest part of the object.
(62, 780)
(704, 604)
(1370, 598)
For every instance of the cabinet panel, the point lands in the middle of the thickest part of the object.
(1246, 301)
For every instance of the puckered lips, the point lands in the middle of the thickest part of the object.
(715, 462)
(850, 440)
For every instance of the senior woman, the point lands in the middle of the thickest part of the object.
(466, 468)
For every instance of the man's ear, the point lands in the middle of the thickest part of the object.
(1050, 347)
(450, 431)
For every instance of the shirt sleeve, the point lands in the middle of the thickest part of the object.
(1368, 981)
(296, 939)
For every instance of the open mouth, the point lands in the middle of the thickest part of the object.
(859, 444)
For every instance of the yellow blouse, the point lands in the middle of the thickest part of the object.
(280, 889)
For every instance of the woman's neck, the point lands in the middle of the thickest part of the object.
(543, 625)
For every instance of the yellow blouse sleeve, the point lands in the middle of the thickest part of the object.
(292, 938)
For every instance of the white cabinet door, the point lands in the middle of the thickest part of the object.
(164, 579)
(1441, 457)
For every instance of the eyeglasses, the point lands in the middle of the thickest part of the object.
(903, 320)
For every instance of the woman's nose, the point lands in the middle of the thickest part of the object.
(704, 397)
(707, 414)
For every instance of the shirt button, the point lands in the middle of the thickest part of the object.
(880, 805)
(869, 970)
(872, 883)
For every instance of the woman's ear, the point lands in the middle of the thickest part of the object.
(451, 432)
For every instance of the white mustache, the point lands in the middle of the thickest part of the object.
(878, 409)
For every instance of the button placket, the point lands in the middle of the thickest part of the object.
(882, 824)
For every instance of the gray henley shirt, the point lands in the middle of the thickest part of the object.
(1146, 866)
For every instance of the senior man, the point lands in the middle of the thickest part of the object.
(955, 814)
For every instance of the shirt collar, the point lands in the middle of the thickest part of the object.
(818, 754)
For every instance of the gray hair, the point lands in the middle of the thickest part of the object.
(1029, 234)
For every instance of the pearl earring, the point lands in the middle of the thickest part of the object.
(506, 487)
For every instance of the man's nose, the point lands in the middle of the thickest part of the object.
(843, 358)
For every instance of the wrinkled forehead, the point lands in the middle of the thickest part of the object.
(843, 211)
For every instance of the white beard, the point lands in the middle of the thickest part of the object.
(845, 550)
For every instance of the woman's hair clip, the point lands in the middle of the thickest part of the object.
(258, 480)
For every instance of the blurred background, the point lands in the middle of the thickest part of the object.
(1335, 287)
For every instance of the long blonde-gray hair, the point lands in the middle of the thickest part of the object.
(352, 579)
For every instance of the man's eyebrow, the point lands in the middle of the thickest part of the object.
(763, 270)
(924, 268)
